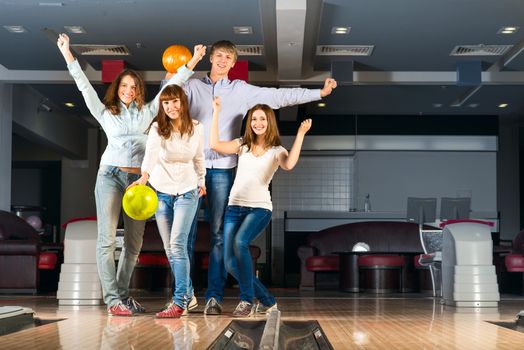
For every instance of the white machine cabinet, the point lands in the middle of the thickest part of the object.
(468, 274)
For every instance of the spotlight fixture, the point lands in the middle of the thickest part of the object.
(75, 29)
(321, 104)
(69, 104)
(340, 30)
(243, 30)
(508, 30)
(15, 29)
(503, 105)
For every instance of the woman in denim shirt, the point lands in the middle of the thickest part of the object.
(124, 116)
(248, 212)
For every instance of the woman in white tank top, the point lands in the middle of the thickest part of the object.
(249, 209)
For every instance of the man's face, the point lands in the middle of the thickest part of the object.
(222, 61)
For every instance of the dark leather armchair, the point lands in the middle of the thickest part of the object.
(19, 254)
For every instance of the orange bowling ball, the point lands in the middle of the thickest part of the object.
(175, 56)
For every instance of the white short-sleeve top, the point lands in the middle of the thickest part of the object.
(254, 174)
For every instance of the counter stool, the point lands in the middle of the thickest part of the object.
(381, 273)
(424, 276)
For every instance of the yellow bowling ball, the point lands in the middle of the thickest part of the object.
(140, 202)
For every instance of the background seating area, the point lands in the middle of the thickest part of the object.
(25, 267)
(319, 255)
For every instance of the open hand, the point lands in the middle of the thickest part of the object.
(305, 126)
(141, 181)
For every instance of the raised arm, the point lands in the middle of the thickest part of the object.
(283, 97)
(180, 77)
(199, 51)
(288, 161)
(63, 45)
(96, 107)
(225, 147)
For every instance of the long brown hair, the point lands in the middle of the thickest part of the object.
(111, 99)
(272, 136)
(165, 124)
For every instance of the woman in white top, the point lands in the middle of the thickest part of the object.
(174, 165)
(260, 154)
(124, 116)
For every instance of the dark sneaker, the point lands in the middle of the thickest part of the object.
(133, 305)
(119, 310)
(174, 311)
(212, 307)
(265, 310)
(244, 309)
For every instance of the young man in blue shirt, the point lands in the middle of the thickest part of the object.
(237, 98)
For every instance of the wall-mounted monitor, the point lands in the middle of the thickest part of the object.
(455, 208)
(422, 210)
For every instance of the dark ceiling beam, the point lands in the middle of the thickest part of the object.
(496, 67)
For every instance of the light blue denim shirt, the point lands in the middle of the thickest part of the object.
(237, 97)
(126, 138)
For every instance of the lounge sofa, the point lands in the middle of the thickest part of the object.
(511, 279)
(22, 261)
(319, 255)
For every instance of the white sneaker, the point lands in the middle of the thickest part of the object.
(193, 304)
(263, 309)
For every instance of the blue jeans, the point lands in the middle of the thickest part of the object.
(111, 184)
(174, 217)
(218, 185)
(241, 226)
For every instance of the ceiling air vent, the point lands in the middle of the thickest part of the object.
(480, 50)
(100, 50)
(250, 50)
(344, 50)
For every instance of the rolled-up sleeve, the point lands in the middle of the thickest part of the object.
(182, 75)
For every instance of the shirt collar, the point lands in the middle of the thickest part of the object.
(224, 81)
(132, 105)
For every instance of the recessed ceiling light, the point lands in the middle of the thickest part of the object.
(437, 105)
(321, 104)
(508, 30)
(69, 104)
(51, 4)
(16, 29)
(243, 30)
(473, 105)
(503, 105)
(340, 30)
(75, 29)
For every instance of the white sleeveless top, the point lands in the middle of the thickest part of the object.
(251, 186)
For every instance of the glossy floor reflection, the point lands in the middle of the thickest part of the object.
(349, 322)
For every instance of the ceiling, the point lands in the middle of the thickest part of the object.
(409, 72)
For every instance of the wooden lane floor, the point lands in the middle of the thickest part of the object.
(349, 322)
